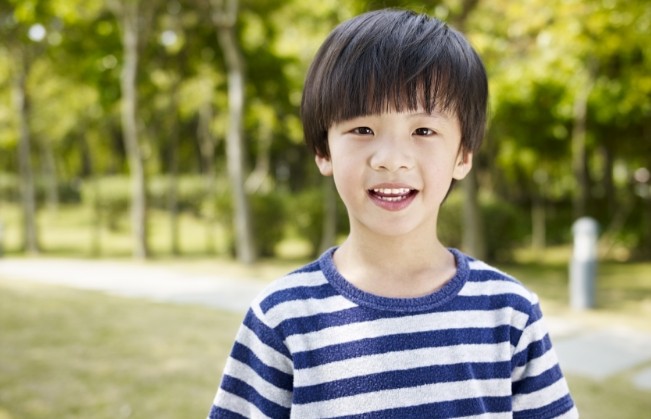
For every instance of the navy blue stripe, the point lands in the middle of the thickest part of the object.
(552, 410)
(317, 292)
(535, 350)
(274, 376)
(308, 324)
(267, 335)
(400, 342)
(401, 379)
(484, 275)
(535, 313)
(442, 410)
(219, 413)
(532, 384)
(311, 267)
(245, 391)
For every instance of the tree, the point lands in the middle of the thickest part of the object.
(127, 12)
(17, 21)
(224, 17)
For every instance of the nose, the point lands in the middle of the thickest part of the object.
(391, 153)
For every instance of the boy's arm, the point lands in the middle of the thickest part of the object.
(257, 379)
(538, 385)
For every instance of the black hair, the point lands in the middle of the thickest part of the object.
(394, 60)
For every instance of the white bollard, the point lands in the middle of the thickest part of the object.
(583, 266)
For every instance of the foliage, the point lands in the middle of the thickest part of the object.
(506, 226)
(540, 54)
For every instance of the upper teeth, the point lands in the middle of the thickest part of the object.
(391, 191)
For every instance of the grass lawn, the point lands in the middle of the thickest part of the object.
(68, 353)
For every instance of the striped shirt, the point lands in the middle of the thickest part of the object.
(314, 346)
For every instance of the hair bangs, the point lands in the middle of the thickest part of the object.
(377, 89)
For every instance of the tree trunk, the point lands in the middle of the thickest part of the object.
(579, 160)
(28, 194)
(130, 129)
(224, 18)
(473, 225)
(473, 240)
(49, 173)
(207, 145)
(255, 182)
(173, 167)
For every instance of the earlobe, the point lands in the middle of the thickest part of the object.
(463, 165)
(324, 164)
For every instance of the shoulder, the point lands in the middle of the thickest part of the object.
(489, 279)
(302, 293)
(294, 285)
(498, 289)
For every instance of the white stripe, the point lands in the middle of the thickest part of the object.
(535, 332)
(535, 367)
(418, 323)
(540, 398)
(491, 415)
(478, 265)
(236, 404)
(267, 354)
(401, 360)
(571, 414)
(494, 287)
(243, 372)
(309, 307)
(402, 397)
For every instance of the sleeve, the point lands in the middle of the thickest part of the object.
(538, 385)
(257, 379)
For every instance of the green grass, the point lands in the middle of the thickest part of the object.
(78, 354)
(613, 398)
(72, 231)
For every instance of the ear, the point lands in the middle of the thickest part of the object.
(462, 165)
(324, 164)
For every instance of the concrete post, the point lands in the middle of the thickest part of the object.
(583, 266)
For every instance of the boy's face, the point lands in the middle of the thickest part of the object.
(394, 170)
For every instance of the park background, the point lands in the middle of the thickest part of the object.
(167, 132)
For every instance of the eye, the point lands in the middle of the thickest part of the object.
(362, 131)
(424, 132)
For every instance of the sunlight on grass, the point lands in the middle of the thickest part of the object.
(72, 231)
(77, 354)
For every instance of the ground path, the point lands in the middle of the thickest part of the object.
(593, 353)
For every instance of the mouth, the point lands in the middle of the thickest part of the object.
(392, 194)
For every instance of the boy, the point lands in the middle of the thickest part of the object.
(392, 324)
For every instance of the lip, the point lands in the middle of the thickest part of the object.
(392, 196)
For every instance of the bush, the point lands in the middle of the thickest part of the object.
(110, 197)
(268, 219)
(9, 188)
(305, 215)
(505, 226)
(190, 193)
(68, 191)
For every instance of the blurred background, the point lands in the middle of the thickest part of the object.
(165, 131)
(171, 127)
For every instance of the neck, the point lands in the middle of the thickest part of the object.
(396, 266)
